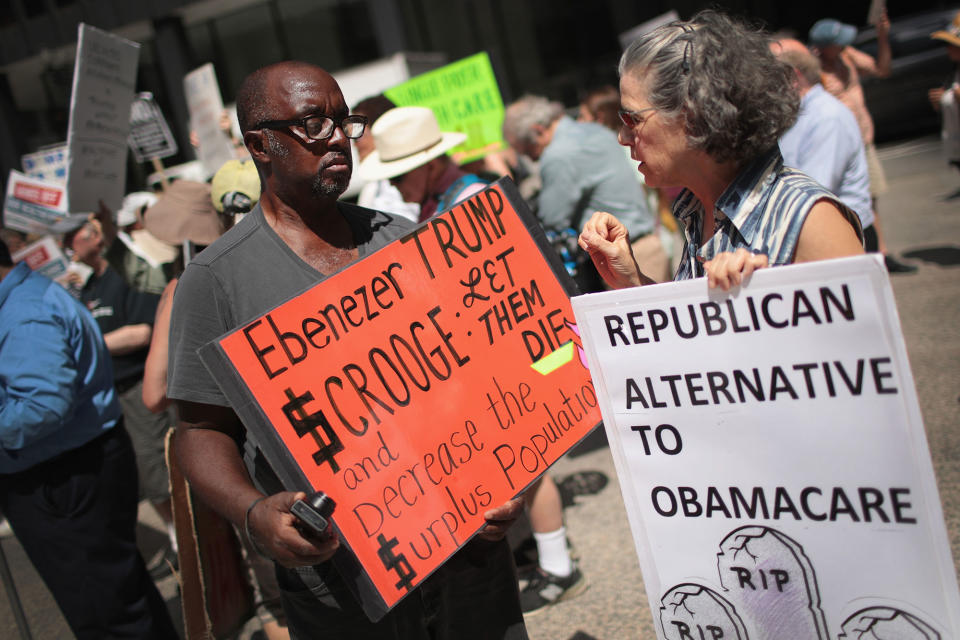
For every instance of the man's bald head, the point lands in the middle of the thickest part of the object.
(797, 55)
(257, 98)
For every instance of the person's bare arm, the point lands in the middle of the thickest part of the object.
(826, 234)
(207, 451)
(155, 368)
(866, 64)
(128, 338)
(935, 95)
(884, 53)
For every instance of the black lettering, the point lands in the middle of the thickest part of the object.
(655, 498)
(827, 298)
(800, 300)
(765, 309)
(899, 506)
(260, 353)
(878, 375)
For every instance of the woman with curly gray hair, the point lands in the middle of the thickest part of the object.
(703, 105)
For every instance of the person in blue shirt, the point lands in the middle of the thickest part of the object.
(68, 479)
(825, 141)
(582, 170)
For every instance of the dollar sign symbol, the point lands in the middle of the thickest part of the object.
(304, 423)
(397, 563)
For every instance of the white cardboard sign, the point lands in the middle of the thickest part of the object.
(44, 256)
(104, 77)
(772, 456)
(33, 206)
(49, 163)
(206, 106)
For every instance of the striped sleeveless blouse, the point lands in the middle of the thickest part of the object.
(762, 210)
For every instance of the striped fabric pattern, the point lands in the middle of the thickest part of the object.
(762, 210)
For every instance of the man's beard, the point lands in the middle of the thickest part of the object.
(330, 187)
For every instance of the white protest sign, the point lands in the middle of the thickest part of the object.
(33, 206)
(150, 135)
(206, 107)
(104, 78)
(772, 457)
(48, 163)
(43, 256)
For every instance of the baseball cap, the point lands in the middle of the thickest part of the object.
(235, 187)
(829, 31)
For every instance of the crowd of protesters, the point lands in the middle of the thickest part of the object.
(711, 115)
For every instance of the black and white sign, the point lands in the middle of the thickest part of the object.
(150, 136)
(772, 456)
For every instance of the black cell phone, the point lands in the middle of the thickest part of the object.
(314, 513)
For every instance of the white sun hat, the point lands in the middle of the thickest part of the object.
(133, 206)
(405, 138)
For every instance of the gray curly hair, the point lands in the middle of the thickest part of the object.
(717, 76)
(530, 110)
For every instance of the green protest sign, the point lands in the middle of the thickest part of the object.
(465, 97)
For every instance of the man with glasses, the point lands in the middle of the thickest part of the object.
(582, 170)
(297, 129)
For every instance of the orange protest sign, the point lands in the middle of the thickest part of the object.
(419, 387)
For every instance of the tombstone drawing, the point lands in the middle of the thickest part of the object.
(693, 612)
(772, 582)
(886, 623)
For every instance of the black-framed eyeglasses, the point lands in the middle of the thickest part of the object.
(632, 119)
(320, 127)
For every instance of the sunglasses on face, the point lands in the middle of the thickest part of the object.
(633, 119)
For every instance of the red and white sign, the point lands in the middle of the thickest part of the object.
(31, 205)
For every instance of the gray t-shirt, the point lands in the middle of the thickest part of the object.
(247, 272)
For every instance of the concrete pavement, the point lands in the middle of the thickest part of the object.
(919, 225)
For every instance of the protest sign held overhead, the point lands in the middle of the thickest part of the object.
(418, 388)
(31, 205)
(206, 108)
(48, 164)
(150, 135)
(43, 256)
(772, 457)
(465, 97)
(104, 78)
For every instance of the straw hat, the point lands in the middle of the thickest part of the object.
(184, 212)
(406, 138)
(950, 35)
